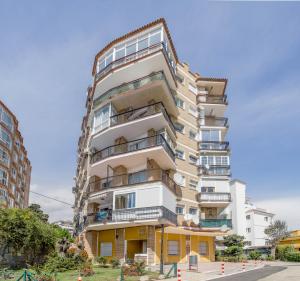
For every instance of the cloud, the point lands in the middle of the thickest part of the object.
(55, 209)
(285, 208)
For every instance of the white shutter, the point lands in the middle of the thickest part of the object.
(106, 249)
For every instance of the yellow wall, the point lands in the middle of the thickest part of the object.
(106, 236)
(182, 257)
(136, 233)
(293, 240)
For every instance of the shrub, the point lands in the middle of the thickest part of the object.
(233, 251)
(283, 251)
(101, 260)
(254, 255)
(115, 263)
(135, 269)
(293, 256)
(270, 258)
(87, 269)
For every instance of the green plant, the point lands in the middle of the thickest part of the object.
(101, 260)
(270, 258)
(115, 263)
(254, 255)
(282, 252)
(233, 251)
(293, 256)
(234, 240)
(87, 269)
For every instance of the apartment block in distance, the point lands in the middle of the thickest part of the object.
(15, 168)
(153, 178)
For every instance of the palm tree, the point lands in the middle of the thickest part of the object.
(276, 231)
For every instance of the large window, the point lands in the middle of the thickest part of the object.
(179, 103)
(125, 201)
(203, 248)
(179, 127)
(214, 160)
(101, 118)
(173, 247)
(4, 137)
(180, 154)
(106, 249)
(207, 189)
(3, 176)
(4, 157)
(210, 135)
(180, 210)
(6, 119)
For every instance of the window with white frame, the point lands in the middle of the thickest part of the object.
(192, 134)
(248, 230)
(14, 173)
(180, 154)
(248, 217)
(4, 137)
(193, 211)
(179, 127)
(101, 118)
(266, 219)
(203, 248)
(193, 184)
(193, 89)
(3, 176)
(193, 159)
(193, 111)
(125, 201)
(6, 119)
(210, 135)
(4, 156)
(179, 103)
(214, 160)
(173, 247)
(179, 210)
(106, 249)
(207, 189)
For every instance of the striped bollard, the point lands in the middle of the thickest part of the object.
(222, 268)
(79, 278)
(178, 274)
(244, 266)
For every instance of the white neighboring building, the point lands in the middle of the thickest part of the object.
(68, 225)
(257, 220)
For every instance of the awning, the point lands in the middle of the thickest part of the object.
(184, 231)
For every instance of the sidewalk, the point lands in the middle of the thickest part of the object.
(207, 271)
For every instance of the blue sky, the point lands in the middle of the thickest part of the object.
(46, 54)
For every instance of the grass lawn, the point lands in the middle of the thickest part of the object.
(101, 274)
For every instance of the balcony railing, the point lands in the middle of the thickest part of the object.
(203, 98)
(141, 112)
(145, 176)
(134, 85)
(214, 122)
(135, 56)
(215, 223)
(214, 197)
(132, 146)
(214, 145)
(134, 214)
(214, 170)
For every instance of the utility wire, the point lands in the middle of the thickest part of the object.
(51, 198)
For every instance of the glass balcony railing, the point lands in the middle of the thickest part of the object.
(214, 145)
(215, 223)
(134, 85)
(135, 56)
(214, 197)
(145, 176)
(134, 214)
(205, 98)
(132, 146)
(214, 122)
(214, 170)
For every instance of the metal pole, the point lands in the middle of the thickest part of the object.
(161, 270)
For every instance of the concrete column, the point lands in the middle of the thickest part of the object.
(151, 244)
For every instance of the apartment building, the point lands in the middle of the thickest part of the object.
(15, 168)
(153, 179)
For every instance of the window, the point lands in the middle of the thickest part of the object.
(266, 219)
(4, 137)
(193, 184)
(7, 120)
(3, 176)
(106, 249)
(125, 201)
(203, 248)
(214, 160)
(14, 173)
(193, 89)
(13, 188)
(193, 211)
(137, 177)
(247, 243)
(207, 189)
(4, 157)
(173, 247)
(142, 43)
(155, 37)
(179, 103)
(180, 154)
(210, 135)
(101, 118)
(193, 111)
(193, 159)
(248, 230)
(248, 217)
(179, 127)
(3, 193)
(179, 210)
(192, 135)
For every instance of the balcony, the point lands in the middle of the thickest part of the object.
(141, 177)
(218, 199)
(152, 215)
(215, 223)
(214, 170)
(214, 122)
(133, 123)
(214, 145)
(212, 99)
(154, 58)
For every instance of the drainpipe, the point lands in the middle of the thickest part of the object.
(161, 268)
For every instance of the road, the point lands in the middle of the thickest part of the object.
(254, 275)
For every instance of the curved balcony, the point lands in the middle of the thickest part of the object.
(215, 223)
(211, 99)
(133, 154)
(214, 170)
(214, 145)
(209, 199)
(133, 123)
(141, 177)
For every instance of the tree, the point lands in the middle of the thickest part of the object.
(276, 231)
(234, 240)
(36, 208)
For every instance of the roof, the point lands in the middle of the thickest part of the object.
(191, 231)
(134, 32)
(259, 210)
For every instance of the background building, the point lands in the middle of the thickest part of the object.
(68, 225)
(292, 240)
(15, 168)
(153, 160)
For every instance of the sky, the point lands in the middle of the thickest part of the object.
(47, 50)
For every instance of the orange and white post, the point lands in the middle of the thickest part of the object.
(244, 266)
(222, 268)
(79, 278)
(178, 274)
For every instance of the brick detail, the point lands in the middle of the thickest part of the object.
(90, 243)
(151, 244)
(120, 243)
